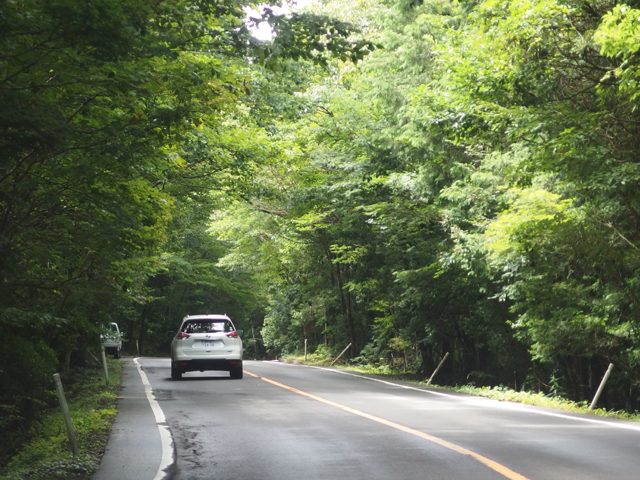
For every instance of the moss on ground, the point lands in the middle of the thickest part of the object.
(92, 405)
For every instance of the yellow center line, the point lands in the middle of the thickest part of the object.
(497, 467)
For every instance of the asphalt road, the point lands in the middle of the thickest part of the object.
(291, 422)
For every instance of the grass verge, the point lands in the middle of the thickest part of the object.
(541, 400)
(92, 405)
(501, 393)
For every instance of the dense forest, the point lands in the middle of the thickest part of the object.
(411, 177)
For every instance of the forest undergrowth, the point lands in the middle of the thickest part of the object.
(46, 453)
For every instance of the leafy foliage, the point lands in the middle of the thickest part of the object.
(46, 453)
(471, 188)
(121, 124)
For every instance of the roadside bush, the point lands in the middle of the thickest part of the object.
(26, 388)
(92, 405)
(71, 468)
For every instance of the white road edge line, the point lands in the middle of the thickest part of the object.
(166, 440)
(497, 404)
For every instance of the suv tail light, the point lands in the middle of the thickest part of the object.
(233, 334)
(182, 336)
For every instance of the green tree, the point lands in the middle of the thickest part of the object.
(120, 123)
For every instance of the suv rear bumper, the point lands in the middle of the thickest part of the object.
(200, 365)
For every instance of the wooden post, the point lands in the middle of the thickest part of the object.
(342, 353)
(437, 369)
(65, 413)
(601, 387)
(105, 367)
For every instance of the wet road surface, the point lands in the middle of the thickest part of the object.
(291, 422)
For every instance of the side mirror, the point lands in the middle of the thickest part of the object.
(170, 334)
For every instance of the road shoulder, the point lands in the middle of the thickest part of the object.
(134, 448)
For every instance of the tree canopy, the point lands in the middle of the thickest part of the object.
(470, 187)
(411, 178)
(123, 126)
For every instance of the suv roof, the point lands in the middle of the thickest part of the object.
(220, 316)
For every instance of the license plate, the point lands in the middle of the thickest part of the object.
(209, 344)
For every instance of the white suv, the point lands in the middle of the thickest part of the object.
(112, 340)
(206, 342)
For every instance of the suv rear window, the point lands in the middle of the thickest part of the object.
(207, 326)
